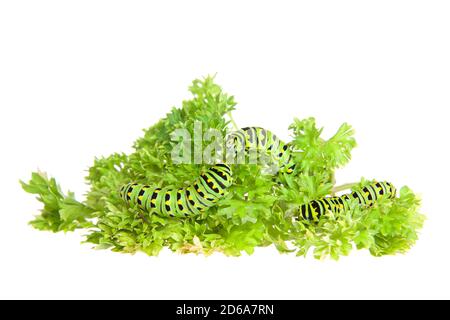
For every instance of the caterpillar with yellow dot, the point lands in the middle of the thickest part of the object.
(367, 196)
(204, 193)
(263, 141)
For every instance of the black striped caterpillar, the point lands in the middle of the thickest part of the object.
(367, 196)
(201, 195)
(211, 186)
(262, 141)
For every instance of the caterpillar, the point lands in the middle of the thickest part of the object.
(367, 196)
(204, 193)
(262, 140)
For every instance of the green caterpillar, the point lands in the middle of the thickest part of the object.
(367, 196)
(264, 141)
(182, 202)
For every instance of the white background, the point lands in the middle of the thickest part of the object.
(80, 79)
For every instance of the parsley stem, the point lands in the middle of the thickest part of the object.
(232, 121)
(343, 187)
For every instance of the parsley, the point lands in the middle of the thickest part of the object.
(258, 212)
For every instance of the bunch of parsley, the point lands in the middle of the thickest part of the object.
(259, 211)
